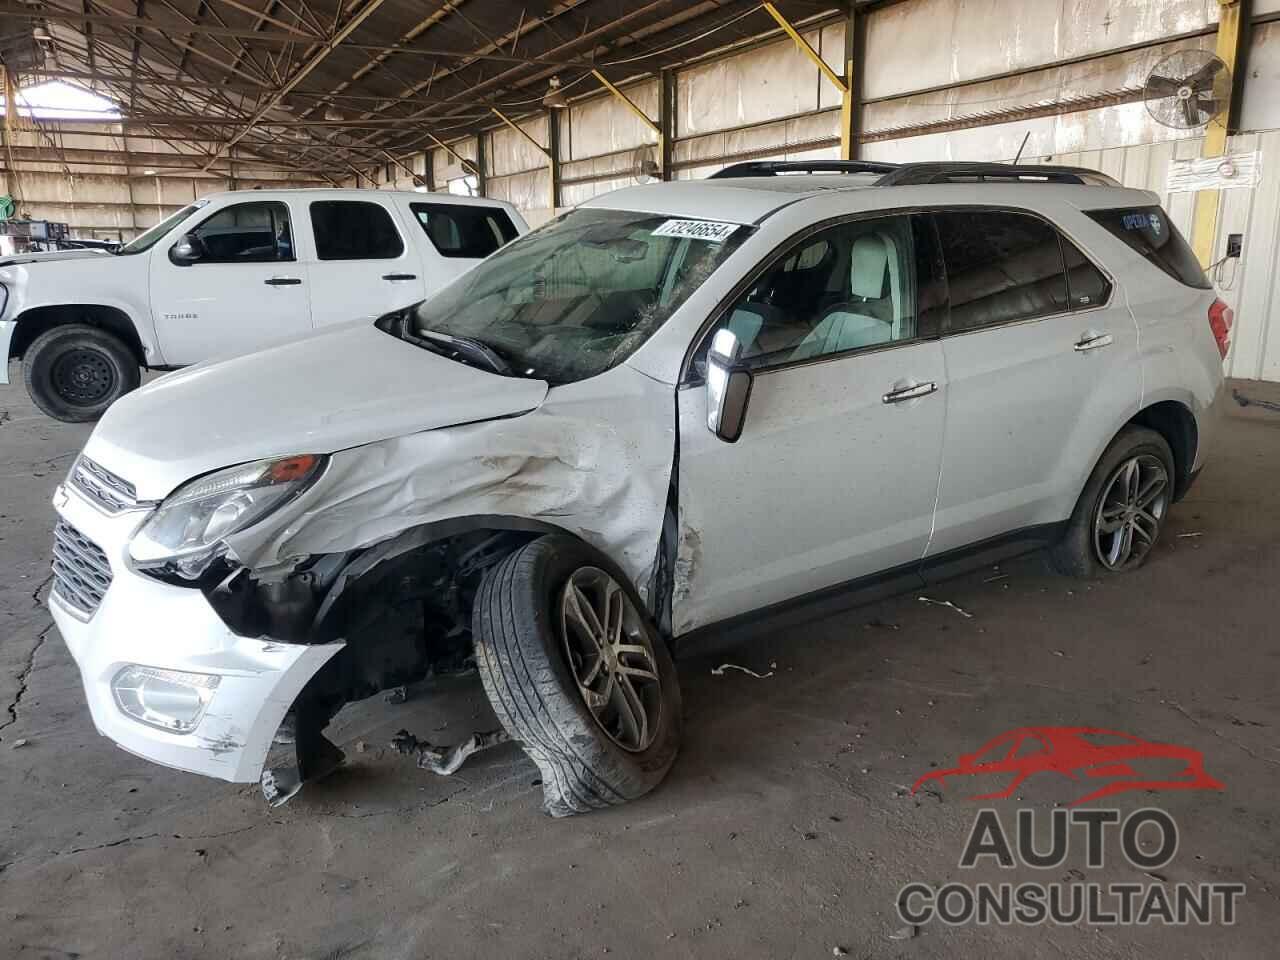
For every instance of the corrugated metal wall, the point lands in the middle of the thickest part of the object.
(952, 62)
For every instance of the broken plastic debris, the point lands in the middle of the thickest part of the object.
(1195, 533)
(838, 951)
(21, 742)
(904, 933)
(947, 603)
(719, 671)
(446, 760)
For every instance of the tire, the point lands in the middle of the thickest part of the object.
(1088, 548)
(74, 372)
(530, 673)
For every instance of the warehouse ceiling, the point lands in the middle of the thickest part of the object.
(333, 86)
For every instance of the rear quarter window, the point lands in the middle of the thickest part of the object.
(1150, 232)
(465, 231)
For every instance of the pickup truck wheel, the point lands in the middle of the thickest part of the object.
(75, 372)
(576, 672)
(1118, 518)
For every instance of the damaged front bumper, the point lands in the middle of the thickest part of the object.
(141, 622)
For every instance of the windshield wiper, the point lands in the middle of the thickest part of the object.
(469, 347)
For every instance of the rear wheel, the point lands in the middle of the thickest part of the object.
(1121, 512)
(576, 672)
(74, 372)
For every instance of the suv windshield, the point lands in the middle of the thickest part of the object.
(581, 294)
(145, 241)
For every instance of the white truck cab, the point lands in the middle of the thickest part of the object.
(227, 275)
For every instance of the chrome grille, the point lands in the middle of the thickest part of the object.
(81, 573)
(103, 488)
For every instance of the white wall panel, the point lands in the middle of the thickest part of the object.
(929, 43)
(771, 81)
(605, 124)
(509, 152)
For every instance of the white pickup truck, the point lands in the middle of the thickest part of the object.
(227, 275)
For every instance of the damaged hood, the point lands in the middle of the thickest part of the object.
(340, 388)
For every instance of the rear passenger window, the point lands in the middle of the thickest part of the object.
(1001, 266)
(1086, 284)
(464, 231)
(1149, 231)
(354, 230)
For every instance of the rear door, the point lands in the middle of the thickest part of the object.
(457, 237)
(836, 472)
(361, 266)
(245, 289)
(1042, 366)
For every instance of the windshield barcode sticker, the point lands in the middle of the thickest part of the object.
(712, 231)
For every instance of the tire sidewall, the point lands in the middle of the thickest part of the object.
(44, 353)
(562, 556)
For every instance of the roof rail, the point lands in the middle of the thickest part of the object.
(771, 168)
(948, 172)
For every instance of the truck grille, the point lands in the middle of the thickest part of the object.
(110, 493)
(81, 573)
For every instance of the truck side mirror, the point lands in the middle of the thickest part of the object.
(186, 251)
(728, 387)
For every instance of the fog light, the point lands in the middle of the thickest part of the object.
(168, 699)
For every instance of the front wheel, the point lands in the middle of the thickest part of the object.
(74, 372)
(577, 673)
(1122, 510)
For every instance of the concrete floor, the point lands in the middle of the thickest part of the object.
(785, 829)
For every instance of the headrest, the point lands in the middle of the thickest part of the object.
(869, 263)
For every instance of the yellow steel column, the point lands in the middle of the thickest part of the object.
(1205, 223)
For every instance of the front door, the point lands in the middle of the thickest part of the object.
(835, 474)
(240, 289)
(1042, 366)
(363, 266)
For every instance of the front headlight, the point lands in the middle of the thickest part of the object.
(196, 517)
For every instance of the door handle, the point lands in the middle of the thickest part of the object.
(910, 393)
(1092, 341)
(399, 276)
(282, 282)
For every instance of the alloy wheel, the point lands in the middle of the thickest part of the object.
(1129, 513)
(611, 657)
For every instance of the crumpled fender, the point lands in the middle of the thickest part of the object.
(594, 459)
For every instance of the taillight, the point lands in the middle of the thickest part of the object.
(1220, 319)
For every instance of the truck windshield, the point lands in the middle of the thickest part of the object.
(582, 293)
(145, 241)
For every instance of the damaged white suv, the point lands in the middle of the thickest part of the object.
(678, 408)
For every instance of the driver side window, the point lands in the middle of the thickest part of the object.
(860, 285)
(246, 233)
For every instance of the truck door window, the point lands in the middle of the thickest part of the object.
(469, 232)
(1002, 266)
(354, 230)
(246, 233)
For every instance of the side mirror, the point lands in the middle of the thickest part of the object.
(728, 387)
(186, 251)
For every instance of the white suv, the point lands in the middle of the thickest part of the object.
(227, 275)
(678, 408)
